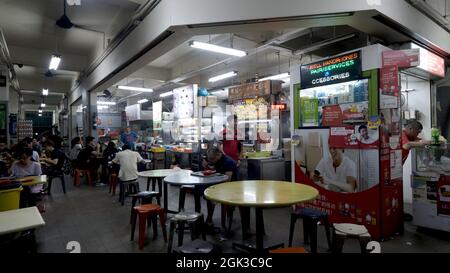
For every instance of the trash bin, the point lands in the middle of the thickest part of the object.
(10, 199)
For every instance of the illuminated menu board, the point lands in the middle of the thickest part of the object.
(342, 68)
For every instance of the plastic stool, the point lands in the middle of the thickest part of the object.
(78, 172)
(113, 183)
(350, 231)
(195, 221)
(50, 180)
(144, 212)
(288, 250)
(311, 217)
(196, 246)
(145, 197)
(123, 186)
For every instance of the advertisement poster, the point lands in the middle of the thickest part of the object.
(368, 137)
(389, 87)
(443, 196)
(354, 112)
(343, 137)
(396, 164)
(401, 58)
(157, 115)
(310, 112)
(183, 102)
(332, 115)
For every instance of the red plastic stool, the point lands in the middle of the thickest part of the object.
(113, 183)
(144, 212)
(291, 250)
(78, 172)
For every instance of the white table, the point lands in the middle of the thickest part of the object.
(185, 178)
(19, 220)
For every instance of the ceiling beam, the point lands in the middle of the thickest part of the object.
(151, 72)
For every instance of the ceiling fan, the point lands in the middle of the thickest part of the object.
(52, 73)
(106, 94)
(65, 22)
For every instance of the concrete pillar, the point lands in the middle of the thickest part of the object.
(89, 102)
(4, 104)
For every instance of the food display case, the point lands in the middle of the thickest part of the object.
(430, 182)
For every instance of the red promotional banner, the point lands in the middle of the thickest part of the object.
(332, 115)
(343, 137)
(443, 196)
(389, 81)
(358, 208)
(401, 58)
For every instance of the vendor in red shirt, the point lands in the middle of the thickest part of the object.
(410, 138)
(231, 146)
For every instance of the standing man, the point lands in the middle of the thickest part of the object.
(231, 146)
(410, 138)
(129, 138)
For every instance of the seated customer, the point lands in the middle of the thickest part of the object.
(24, 167)
(54, 160)
(128, 160)
(28, 142)
(108, 155)
(87, 158)
(75, 148)
(221, 163)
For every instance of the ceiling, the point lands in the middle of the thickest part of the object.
(32, 37)
(268, 53)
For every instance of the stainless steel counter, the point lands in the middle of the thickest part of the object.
(266, 169)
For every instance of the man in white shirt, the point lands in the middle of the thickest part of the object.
(128, 160)
(337, 172)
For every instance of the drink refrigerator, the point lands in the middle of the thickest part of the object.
(430, 182)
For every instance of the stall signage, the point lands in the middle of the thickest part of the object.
(279, 106)
(338, 69)
(401, 58)
(431, 62)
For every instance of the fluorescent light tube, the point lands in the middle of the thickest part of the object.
(54, 62)
(142, 101)
(42, 104)
(106, 103)
(162, 95)
(45, 92)
(223, 76)
(276, 77)
(100, 107)
(141, 89)
(218, 49)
